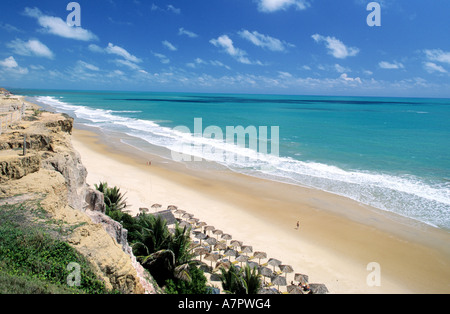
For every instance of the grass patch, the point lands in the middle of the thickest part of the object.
(34, 259)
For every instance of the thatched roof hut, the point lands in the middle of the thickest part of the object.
(166, 215)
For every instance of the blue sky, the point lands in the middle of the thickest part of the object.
(233, 46)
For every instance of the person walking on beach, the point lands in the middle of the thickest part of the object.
(298, 225)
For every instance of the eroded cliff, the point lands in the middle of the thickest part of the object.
(51, 171)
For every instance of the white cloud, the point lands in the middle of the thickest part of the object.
(127, 63)
(264, 41)
(88, 66)
(38, 67)
(182, 31)
(431, 67)
(199, 61)
(128, 60)
(341, 69)
(219, 64)
(285, 75)
(227, 44)
(56, 26)
(171, 8)
(9, 28)
(119, 51)
(95, 48)
(169, 46)
(336, 47)
(276, 5)
(438, 55)
(11, 64)
(32, 47)
(162, 58)
(391, 66)
(346, 78)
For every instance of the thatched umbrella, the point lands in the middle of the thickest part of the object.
(201, 251)
(286, 269)
(172, 207)
(303, 279)
(213, 257)
(294, 289)
(226, 237)
(201, 236)
(200, 224)
(143, 210)
(187, 216)
(260, 255)
(274, 262)
(230, 253)
(184, 224)
(193, 220)
(217, 232)
(211, 241)
(236, 243)
(252, 264)
(247, 249)
(242, 258)
(279, 281)
(209, 228)
(156, 206)
(220, 264)
(215, 277)
(220, 246)
(318, 288)
(179, 212)
(267, 291)
(266, 272)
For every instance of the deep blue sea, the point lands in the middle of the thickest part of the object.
(390, 153)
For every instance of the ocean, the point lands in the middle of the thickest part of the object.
(389, 153)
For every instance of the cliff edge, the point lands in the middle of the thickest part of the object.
(51, 171)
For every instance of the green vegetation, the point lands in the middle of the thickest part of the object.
(34, 258)
(197, 284)
(115, 201)
(243, 281)
(167, 256)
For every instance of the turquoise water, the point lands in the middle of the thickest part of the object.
(390, 153)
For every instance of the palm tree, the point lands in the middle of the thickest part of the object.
(114, 199)
(166, 256)
(153, 236)
(231, 281)
(251, 280)
(244, 281)
(180, 245)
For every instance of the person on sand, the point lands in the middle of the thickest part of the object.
(298, 225)
(306, 288)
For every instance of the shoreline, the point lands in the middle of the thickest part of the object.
(337, 239)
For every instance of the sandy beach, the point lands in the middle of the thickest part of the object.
(337, 238)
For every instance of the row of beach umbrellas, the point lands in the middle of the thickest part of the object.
(213, 252)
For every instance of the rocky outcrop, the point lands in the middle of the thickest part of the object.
(95, 201)
(52, 172)
(117, 232)
(16, 166)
